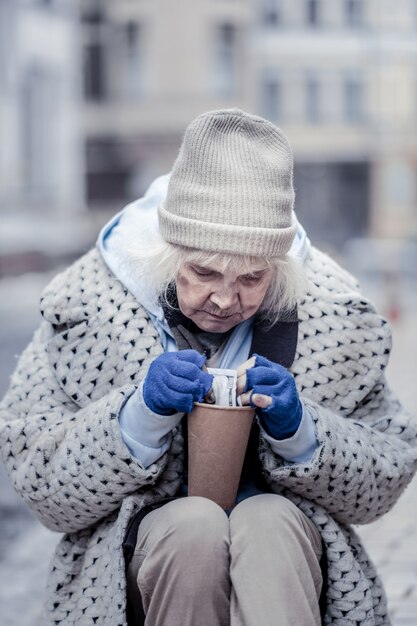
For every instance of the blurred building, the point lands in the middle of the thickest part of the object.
(41, 147)
(149, 68)
(340, 76)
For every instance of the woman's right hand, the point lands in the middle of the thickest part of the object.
(175, 380)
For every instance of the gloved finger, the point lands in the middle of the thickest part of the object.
(206, 383)
(262, 375)
(186, 370)
(247, 380)
(261, 360)
(261, 401)
(192, 356)
(198, 387)
(189, 371)
(181, 385)
(267, 390)
(181, 402)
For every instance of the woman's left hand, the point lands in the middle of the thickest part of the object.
(271, 389)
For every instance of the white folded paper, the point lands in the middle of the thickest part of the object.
(223, 391)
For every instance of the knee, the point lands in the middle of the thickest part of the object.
(196, 523)
(274, 517)
(265, 514)
(265, 510)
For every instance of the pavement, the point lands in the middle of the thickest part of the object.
(392, 544)
(25, 546)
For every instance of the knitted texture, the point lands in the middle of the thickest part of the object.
(62, 448)
(231, 187)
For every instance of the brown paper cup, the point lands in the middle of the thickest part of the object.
(217, 441)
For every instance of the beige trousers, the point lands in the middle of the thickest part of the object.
(195, 566)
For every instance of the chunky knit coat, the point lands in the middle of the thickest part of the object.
(62, 447)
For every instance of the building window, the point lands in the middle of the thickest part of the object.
(312, 12)
(354, 13)
(271, 13)
(132, 44)
(271, 98)
(94, 84)
(108, 172)
(225, 78)
(312, 100)
(353, 100)
(132, 36)
(95, 87)
(333, 200)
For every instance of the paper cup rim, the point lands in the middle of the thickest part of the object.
(217, 407)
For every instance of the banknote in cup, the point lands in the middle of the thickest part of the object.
(223, 391)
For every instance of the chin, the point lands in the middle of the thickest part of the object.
(216, 325)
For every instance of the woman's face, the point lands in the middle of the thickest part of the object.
(216, 301)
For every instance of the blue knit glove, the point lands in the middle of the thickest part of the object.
(282, 418)
(175, 381)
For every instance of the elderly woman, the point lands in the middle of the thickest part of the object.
(210, 268)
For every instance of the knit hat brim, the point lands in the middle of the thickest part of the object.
(259, 242)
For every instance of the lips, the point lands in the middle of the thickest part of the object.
(221, 317)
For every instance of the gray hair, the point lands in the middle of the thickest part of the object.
(159, 264)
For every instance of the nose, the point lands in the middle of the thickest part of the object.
(225, 297)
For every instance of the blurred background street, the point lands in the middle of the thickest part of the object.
(94, 98)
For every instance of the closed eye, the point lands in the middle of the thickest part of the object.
(251, 277)
(202, 271)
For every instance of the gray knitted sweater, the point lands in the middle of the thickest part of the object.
(62, 447)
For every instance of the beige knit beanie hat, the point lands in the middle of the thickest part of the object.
(231, 187)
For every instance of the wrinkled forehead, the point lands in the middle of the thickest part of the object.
(226, 263)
